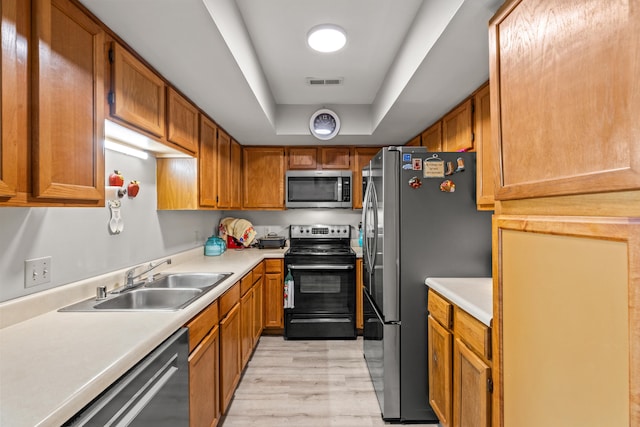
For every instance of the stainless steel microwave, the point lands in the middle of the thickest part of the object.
(318, 189)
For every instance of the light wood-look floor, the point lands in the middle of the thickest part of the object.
(305, 383)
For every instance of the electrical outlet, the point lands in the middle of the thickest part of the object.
(37, 271)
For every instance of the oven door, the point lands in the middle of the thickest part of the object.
(324, 300)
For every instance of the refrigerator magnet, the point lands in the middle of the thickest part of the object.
(406, 157)
(433, 167)
(417, 164)
(415, 183)
(447, 186)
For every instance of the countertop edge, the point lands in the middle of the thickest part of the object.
(472, 294)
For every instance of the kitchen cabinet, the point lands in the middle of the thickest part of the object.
(137, 95)
(236, 175)
(230, 345)
(273, 295)
(182, 122)
(13, 137)
(67, 127)
(459, 353)
(580, 130)
(335, 157)
(302, 158)
(224, 170)
(246, 326)
(590, 266)
(208, 163)
(263, 178)
(415, 142)
(258, 309)
(251, 311)
(204, 371)
(457, 132)
(361, 159)
(177, 183)
(484, 149)
(432, 137)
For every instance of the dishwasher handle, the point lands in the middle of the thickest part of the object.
(320, 266)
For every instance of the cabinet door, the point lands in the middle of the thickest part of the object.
(361, 159)
(246, 327)
(258, 320)
(68, 87)
(224, 169)
(472, 399)
(229, 356)
(440, 374)
(177, 183)
(9, 97)
(182, 117)
(415, 142)
(303, 158)
(263, 178)
(273, 301)
(208, 163)
(138, 94)
(456, 129)
(335, 157)
(236, 175)
(587, 140)
(484, 148)
(432, 137)
(204, 382)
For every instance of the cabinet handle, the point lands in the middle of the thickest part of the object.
(435, 358)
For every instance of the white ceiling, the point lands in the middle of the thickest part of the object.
(245, 62)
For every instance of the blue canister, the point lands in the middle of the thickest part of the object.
(214, 246)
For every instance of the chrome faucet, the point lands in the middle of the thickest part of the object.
(129, 277)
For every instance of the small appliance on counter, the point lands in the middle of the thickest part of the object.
(272, 241)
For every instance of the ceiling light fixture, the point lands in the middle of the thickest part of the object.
(326, 38)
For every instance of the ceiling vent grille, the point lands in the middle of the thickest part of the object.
(313, 81)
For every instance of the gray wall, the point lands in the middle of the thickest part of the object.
(80, 245)
(78, 240)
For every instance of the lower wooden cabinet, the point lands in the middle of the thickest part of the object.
(440, 374)
(273, 294)
(230, 363)
(246, 322)
(258, 311)
(204, 382)
(459, 353)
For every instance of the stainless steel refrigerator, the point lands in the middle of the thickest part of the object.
(420, 220)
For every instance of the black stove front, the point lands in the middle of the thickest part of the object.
(322, 264)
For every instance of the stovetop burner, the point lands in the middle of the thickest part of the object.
(320, 239)
(320, 251)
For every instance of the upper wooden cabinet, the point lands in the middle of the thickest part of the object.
(208, 163)
(182, 122)
(10, 98)
(236, 175)
(565, 117)
(484, 148)
(303, 158)
(361, 159)
(335, 157)
(415, 142)
(432, 137)
(67, 66)
(137, 94)
(457, 132)
(263, 178)
(224, 169)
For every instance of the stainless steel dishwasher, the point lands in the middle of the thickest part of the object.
(155, 392)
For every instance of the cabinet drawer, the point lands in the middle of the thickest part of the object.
(440, 309)
(246, 282)
(201, 324)
(273, 265)
(473, 332)
(258, 272)
(229, 299)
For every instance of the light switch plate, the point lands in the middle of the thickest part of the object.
(37, 271)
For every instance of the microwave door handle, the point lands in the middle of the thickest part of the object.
(339, 189)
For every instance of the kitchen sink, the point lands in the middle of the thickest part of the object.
(150, 299)
(187, 280)
(166, 291)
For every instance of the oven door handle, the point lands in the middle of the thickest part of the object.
(320, 266)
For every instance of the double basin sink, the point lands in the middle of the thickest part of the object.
(169, 292)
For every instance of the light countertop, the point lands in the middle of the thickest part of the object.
(472, 294)
(52, 364)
